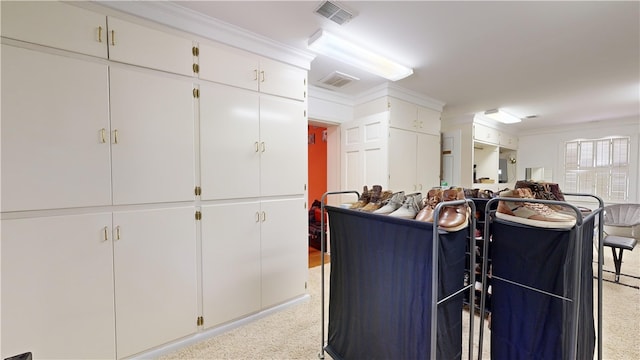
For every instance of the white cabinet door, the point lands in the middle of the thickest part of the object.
(155, 277)
(365, 160)
(139, 45)
(152, 138)
(55, 24)
(402, 161)
(283, 80)
(403, 115)
(284, 250)
(229, 143)
(428, 161)
(55, 124)
(283, 147)
(230, 261)
(428, 121)
(57, 287)
(485, 134)
(228, 65)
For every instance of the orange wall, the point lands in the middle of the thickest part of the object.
(317, 163)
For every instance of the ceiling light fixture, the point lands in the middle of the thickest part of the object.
(332, 46)
(501, 116)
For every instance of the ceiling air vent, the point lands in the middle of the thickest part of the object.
(333, 12)
(337, 79)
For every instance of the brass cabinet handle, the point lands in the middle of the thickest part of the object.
(262, 73)
(113, 37)
(103, 135)
(257, 146)
(264, 216)
(99, 33)
(115, 136)
(255, 74)
(106, 233)
(262, 146)
(257, 216)
(117, 237)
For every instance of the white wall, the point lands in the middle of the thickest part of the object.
(545, 148)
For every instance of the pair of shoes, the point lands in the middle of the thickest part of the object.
(363, 200)
(451, 218)
(378, 199)
(410, 207)
(392, 204)
(531, 213)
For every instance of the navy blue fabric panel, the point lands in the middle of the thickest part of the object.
(380, 288)
(527, 324)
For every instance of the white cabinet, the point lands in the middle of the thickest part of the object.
(139, 45)
(61, 275)
(393, 143)
(508, 141)
(71, 28)
(66, 152)
(55, 24)
(232, 66)
(244, 138)
(409, 116)
(413, 161)
(152, 137)
(253, 256)
(365, 157)
(57, 287)
(55, 131)
(155, 277)
(485, 134)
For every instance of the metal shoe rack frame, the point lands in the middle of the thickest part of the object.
(434, 278)
(575, 271)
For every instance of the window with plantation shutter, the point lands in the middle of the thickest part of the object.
(599, 167)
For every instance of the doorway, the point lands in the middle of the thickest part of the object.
(323, 147)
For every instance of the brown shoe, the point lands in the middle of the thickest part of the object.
(454, 218)
(434, 197)
(375, 200)
(363, 200)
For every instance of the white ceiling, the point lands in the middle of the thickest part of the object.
(567, 62)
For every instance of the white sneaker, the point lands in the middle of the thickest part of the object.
(394, 204)
(409, 208)
(531, 213)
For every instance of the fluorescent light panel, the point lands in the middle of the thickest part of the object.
(332, 46)
(501, 116)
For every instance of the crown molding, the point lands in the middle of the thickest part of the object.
(390, 89)
(331, 96)
(187, 20)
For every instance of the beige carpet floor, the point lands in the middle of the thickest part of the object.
(295, 332)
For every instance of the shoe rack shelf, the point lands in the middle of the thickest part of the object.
(481, 288)
(385, 270)
(542, 280)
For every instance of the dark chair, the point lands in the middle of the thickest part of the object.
(621, 230)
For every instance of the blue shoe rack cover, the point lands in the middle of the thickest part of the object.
(380, 288)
